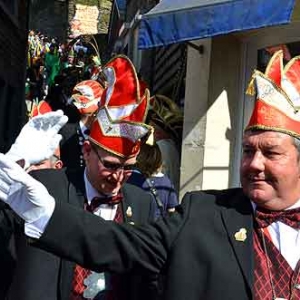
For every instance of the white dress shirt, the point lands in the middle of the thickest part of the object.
(107, 212)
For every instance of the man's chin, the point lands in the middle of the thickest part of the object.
(258, 196)
(111, 190)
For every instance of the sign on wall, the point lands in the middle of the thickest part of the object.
(85, 20)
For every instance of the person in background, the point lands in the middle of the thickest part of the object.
(148, 175)
(167, 119)
(53, 162)
(86, 96)
(52, 64)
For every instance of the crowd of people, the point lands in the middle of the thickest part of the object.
(103, 229)
(53, 65)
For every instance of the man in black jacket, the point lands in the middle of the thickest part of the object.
(101, 189)
(237, 244)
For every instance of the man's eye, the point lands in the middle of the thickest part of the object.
(111, 166)
(271, 154)
(247, 151)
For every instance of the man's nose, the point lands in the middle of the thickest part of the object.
(257, 161)
(119, 174)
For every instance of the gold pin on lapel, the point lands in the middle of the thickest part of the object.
(241, 235)
(129, 212)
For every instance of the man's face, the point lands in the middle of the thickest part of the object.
(270, 171)
(46, 164)
(101, 169)
(70, 59)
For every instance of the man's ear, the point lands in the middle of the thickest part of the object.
(58, 165)
(86, 148)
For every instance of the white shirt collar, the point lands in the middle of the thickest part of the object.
(83, 129)
(91, 192)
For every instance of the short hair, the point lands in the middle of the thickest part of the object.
(149, 159)
(296, 143)
(53, 159)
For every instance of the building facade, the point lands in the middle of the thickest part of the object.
(13, 44)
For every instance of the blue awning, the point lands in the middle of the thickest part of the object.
(173, 21)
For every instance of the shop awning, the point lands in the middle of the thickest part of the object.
(173, 21)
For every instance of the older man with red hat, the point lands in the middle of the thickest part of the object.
(236, 244)
(110, 156)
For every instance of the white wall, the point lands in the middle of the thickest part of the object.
(196, 102)
(210, 115)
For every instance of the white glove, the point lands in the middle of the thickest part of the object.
(25, 195)
(38, 138)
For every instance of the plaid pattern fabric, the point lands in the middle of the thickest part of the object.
(284, 278)
(266, 217)
(81, 273)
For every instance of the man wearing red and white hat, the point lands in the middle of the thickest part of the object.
(237, 244)
(86, 96)
(110, 155)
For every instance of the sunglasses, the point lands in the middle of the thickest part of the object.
(114, 166)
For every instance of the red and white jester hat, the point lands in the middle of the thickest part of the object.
(40, 108)
(119, 127)
(277, 97)
(86, 95)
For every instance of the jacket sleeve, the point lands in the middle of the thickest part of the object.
(102, 245)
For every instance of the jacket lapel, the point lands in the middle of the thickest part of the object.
(238, 221)
(77, 191)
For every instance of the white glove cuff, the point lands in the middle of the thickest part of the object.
(27, 209)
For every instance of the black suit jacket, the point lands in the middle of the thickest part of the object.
(41, 275)
(7, 248)
(70, 149)
(196, 246)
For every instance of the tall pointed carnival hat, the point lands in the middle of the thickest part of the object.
(277, 105)
(86, 95)
(39, 108)
(120, 127)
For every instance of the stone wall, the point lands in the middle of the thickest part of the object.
(50, 17)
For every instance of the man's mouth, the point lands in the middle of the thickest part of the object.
(256, 179)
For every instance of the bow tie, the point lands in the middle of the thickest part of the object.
(87, 132)
(289, 217)
(97, 201)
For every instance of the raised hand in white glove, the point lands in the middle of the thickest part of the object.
(38, 138)
(25, 195)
